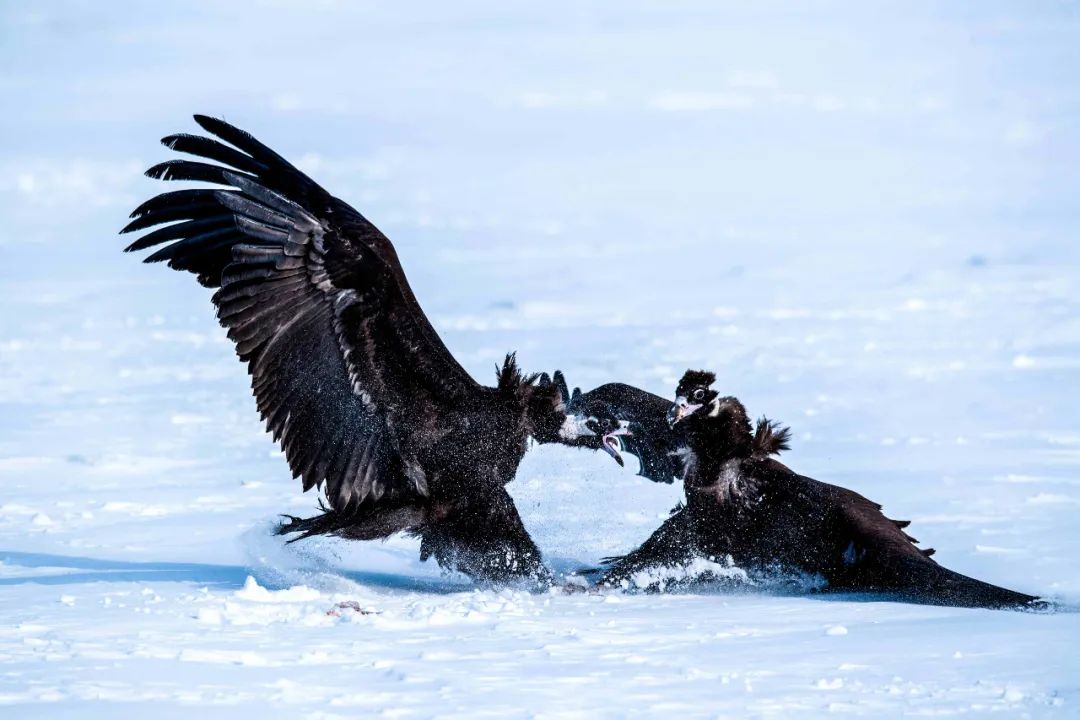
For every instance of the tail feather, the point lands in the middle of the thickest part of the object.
(324, 524)
(370, 526)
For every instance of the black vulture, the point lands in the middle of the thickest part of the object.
(348, 373)
(744, 505)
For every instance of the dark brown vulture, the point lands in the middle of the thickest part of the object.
(349, 375)
(742, 503)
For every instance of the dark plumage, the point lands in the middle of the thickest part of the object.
(744, 504)
(349, 375)
(643, 432)
(643, 429)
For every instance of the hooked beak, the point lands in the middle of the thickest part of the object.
(681, 410)
(611, 444)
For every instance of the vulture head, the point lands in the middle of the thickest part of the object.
(558, 417)
(722, 422)
(693, 393)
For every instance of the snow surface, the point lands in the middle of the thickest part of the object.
(863, 217)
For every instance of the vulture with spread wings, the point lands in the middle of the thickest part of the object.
(367, 402)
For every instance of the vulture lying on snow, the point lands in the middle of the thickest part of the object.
(348, 373)
(743, 504)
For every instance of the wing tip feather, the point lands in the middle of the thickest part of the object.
(155, 172)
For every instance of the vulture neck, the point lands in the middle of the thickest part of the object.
(715, 441)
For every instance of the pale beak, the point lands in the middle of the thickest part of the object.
(680, 410)
(611, 443)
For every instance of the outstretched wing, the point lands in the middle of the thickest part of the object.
(670, 545)
(316, 301)
(655, 444)
(867, 551)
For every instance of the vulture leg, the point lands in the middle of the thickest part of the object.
(485, 539)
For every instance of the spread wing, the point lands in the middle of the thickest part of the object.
(654, 443)
(863, 550)
(318, 306)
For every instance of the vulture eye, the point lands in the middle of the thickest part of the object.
(698, 394)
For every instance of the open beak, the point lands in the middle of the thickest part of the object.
(680, 410)
(611, 443)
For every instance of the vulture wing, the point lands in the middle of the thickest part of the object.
(318, 306)
(866, 551)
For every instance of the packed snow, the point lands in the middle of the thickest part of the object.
(861, 216)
